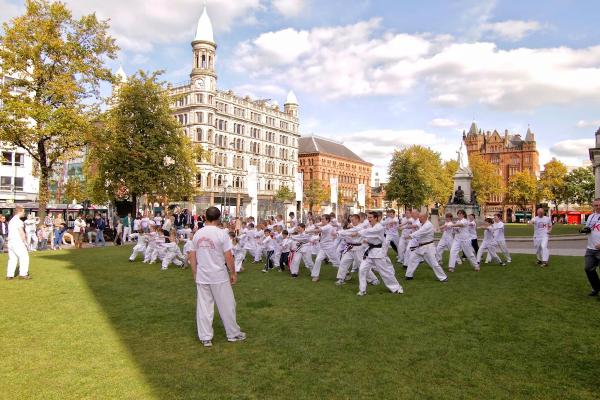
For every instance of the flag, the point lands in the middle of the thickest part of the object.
(333, 182)
(362, 194)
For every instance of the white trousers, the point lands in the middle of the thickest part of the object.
(541, 248)
(402, 244)
(17, 254)
(239, 260)
(490, 247)
(222, 295)
(396, 240)
(171, 258)
(353, 258)
(126, 234)
(328, 252)
(257, 253)
(443, 245)
(466, 247)
(151, 254)
(501, 246)
(299, 257)
(425, 253)
(32, 241)
(385, 269)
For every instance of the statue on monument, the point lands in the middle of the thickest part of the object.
(459, 196)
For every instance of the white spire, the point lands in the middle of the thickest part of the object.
(121, 75)
(204, 31)
(291, 98)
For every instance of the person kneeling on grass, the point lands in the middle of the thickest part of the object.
(210, 254)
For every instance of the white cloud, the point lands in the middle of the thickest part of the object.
(361, 60)
(443, 123)
(573, 148)
(511, 30)
(588, 123)
(10, 10)
(138, 25)
(289, 8)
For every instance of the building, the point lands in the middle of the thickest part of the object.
(18, 182)
(321, 159)
(511, 153)
(595, 159)
(239, 132)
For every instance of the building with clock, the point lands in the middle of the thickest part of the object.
(238, 132)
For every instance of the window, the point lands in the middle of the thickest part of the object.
(199, 135)
(7, 158)
(198, 180)
(19, 184)
(200, 98)
(5, 183)
(199, 117)
(239, 112)
(210, 119)
(255, 133)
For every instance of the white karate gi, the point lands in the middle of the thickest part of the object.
(172, 254)
(377, 260)
(462, 241)
(352, 254)
(500, 239)
(540, 237)
(140, 246)
(327, 249)
(17, 250)
(300, 251)
(445, 242)
(425, 252)
(489, 245)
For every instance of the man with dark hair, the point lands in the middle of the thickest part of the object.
(210, 254)
(592, 252)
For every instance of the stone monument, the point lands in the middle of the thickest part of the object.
(463, 197)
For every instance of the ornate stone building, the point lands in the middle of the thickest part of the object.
(321, 159)
(237, 131)
(510, 152)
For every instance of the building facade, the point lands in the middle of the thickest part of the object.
(321, 159)
(510, 153)
(18, 181)
(238, 132)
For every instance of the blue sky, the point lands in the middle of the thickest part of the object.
(384, 74)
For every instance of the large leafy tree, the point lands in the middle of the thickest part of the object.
(523, 189)
(316, 193)
(487, 182)
(418, 177)
(552, 183)
(580, 186)
(57, 63)
(142, 149)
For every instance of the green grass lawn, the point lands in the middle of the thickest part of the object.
(92, 325)
(527, 230)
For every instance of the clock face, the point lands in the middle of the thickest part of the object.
(199, 83)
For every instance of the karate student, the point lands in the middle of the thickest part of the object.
(327, 247)
(137, 224)
(489, 243)
(375, 256)
(499, 236)
(411, 226)
(447, 238)
(31, 232)
(257, 238)
(473, 232)
(392, 234)
(140, 247)
(300, 250)
(403, 241)
(424, 250)
(462, 241)
(352, 253)
(171, 252)
(542, 226)
(285, 248)
(269, 244)
(211, 259)
(17, 248)
(293, 222)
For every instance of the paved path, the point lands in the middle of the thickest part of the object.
(559, 246)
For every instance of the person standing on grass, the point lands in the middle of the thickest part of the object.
(462, 241)
(592, 252)
(542, 226)
(78, 231)
(3, 232)
(210, 254)
(127, 221)
(17, 248)
(100, 226)
(424, 250)
(499, 237)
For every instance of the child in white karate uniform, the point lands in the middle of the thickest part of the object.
(171, 252)
(140, 247)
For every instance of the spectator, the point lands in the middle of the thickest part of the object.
(3, 232)
(100, 227)
(78, 231)
(57, 223)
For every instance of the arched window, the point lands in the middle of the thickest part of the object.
(204, 61)
(199, 135)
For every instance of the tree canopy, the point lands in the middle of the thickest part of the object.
(487, 182)
(55, 64)
(141, 149)
(316, 193)
(523, 189)
(552, 183)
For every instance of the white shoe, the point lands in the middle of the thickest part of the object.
(340, 282)
(206, 343)
(509, 261)
(374, 283)
(315, 279)
(399, 291)
(361, 293)
(239, 338)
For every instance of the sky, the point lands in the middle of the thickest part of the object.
(379, 75)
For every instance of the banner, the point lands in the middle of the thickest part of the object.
(299, 186)
(333, 182)
(252, 183)
(362, 195)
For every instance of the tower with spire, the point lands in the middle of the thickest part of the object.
(204, 50)
(291, 104)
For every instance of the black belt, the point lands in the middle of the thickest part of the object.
(421, 244)
(372, 246)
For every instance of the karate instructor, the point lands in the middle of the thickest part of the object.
(210, 259)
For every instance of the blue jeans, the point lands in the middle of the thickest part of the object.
(99, 237)
(58, 237)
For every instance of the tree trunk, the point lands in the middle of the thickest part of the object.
(44, 180)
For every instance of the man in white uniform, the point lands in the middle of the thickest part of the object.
(352, 253)
(17, 248)
(327, 248)
(392, 234)
(31, 232)
(211, 252)
(462, 241)
(375, 256)
(447, 238)
(499, 236)
(542, 226)
(424, 250)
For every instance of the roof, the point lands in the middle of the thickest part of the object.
(315, 144)
(204, 31)
(291, 98)
(121, 75)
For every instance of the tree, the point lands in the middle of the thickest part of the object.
(522, 189)
(316, 193)
(487, 182)
(57, 63)
(74, 189)
(141, 149)
(417, 177)
(580, 184)
(284, 194)
(552, 182)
